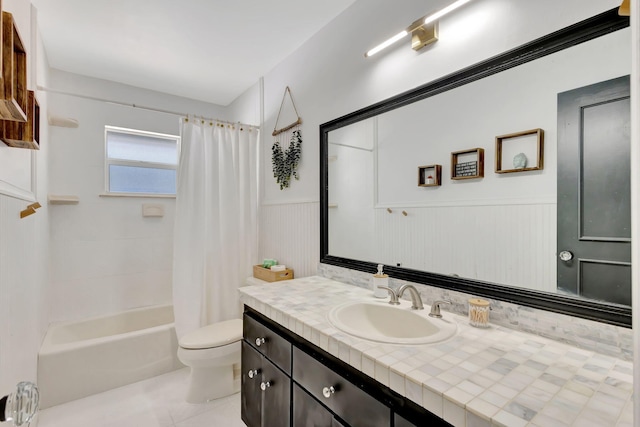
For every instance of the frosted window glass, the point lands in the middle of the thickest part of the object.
(132, 179)
(144, 148)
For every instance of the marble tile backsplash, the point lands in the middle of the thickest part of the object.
(595, 336)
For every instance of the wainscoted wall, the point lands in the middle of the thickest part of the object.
(595, 336)
(23, 283)
(24, 243)
(502, 243)
(290, 233)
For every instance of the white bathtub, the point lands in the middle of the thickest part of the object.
(81, 358)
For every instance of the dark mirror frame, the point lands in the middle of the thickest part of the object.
(583, 31)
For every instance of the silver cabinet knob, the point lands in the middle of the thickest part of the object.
(565, 256)
(260, 341)
(328, 391)
(265, 385)
(252, 373)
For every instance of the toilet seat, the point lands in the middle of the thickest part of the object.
(215, 335)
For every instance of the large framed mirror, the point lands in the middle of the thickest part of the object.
(389, 193)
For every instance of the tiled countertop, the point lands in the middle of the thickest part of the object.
(478, 378)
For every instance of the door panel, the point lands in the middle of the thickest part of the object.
(614, 276)
(308, 412)
(250, 395)
(594, 210)
(605, 205)
(276, 399)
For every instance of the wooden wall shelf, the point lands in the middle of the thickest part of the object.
(433, 171)
(469, 169)
(23, 134)
(13, 90)
(533, 136)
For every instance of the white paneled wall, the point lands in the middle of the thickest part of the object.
(22, 287)
(512, 244)
(290, 233)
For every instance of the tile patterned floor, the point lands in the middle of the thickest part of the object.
(156, 402)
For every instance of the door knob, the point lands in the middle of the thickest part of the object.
(565, 256)
(259, 341)
(265, 385)
(253, 373)
(328, 391)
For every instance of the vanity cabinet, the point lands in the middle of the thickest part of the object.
(266, 382)
(308, 387)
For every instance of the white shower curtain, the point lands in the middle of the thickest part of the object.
(215, 235)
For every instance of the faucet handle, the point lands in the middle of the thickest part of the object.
(393, 297)
(435, 308)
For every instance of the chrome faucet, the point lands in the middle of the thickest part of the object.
(393, 297)
(435, 308)
(416, 300)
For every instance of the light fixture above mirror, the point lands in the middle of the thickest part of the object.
(424, 31)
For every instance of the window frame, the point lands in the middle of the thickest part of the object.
(137, 163)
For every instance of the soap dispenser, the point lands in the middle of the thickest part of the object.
(379, 279)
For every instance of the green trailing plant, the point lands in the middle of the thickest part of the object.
(285, 162)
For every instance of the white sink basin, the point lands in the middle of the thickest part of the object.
(382, 322)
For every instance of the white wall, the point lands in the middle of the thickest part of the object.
(329, 75)
(105, 256)
(24, 248)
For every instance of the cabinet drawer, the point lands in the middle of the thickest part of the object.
(273, 346)
(349, 402)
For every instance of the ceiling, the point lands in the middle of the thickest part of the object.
(210, 50)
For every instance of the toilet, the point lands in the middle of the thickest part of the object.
(213, 354)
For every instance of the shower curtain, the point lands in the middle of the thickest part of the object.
(215, 234)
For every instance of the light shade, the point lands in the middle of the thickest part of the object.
(387, 43)
(442, 12)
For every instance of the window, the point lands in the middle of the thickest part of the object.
(139, 162)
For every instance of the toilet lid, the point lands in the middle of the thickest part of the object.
(215, 335)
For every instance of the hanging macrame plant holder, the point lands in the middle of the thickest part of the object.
(285, 161)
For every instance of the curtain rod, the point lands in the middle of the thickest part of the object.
(142, 107)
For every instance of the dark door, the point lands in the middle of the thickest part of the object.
(594, 209)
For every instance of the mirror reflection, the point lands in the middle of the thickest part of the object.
(388, 205)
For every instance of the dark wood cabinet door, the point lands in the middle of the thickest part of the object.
(250, 393)
(276, 396)
(307, 412)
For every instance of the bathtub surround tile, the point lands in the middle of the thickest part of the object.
(496, 376)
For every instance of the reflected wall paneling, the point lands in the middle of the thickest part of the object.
(485, 247)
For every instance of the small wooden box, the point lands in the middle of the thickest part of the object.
(259, 272)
